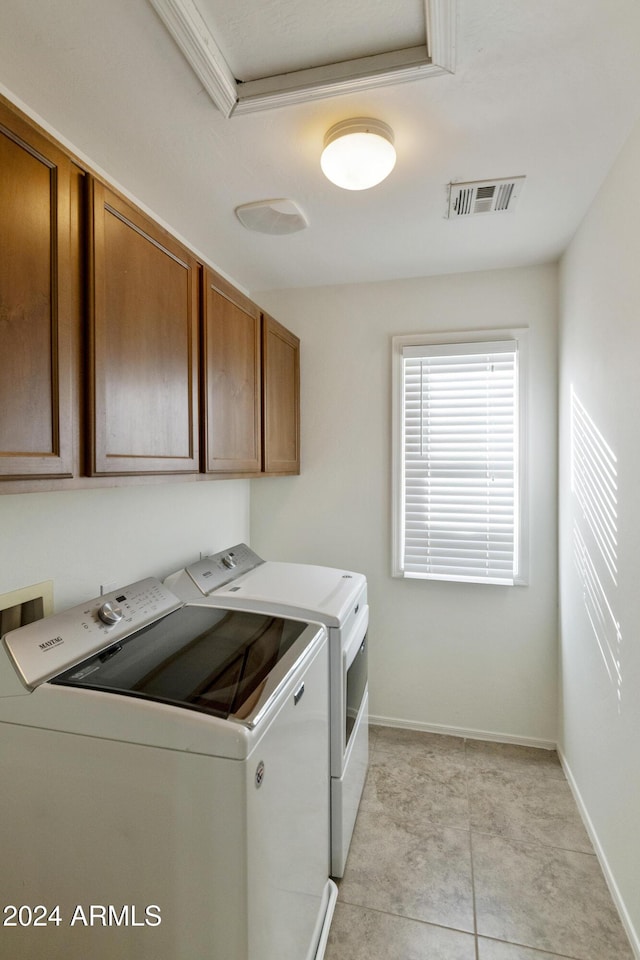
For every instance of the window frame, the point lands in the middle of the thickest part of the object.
(445, 338)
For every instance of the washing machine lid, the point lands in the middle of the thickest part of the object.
(226, 663)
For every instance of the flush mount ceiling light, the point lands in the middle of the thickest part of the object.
(358, 153)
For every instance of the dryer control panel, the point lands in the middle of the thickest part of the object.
(215, 571)
(45, 648)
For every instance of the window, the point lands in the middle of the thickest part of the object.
(458, 457)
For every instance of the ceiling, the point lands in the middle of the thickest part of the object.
(545, 89)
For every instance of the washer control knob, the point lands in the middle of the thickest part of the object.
(110, 613)
(229, 562)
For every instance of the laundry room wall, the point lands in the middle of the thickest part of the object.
(600, 525)
(87, 538)
(465, 658)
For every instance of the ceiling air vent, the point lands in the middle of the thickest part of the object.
(483, 196)
(272, 216)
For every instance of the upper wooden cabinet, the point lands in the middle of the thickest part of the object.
(37, 322)
(281, 398)
(231, 379)
(99, 303)
(143, 344)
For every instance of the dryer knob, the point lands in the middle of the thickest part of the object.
(229, 562)
(110, 613)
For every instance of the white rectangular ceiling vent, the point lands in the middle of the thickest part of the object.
(483, 196)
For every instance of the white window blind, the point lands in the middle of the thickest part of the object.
(460, 461)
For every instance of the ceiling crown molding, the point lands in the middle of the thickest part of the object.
(187, 26)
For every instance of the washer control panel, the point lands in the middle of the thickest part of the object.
(215, 571)
(45, 648)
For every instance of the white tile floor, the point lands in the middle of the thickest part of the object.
(467, 850)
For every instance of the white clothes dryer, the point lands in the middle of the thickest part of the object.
(238, 578)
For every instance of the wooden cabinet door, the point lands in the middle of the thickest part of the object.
(143, 343)
(36, 304)
(281, 398)
(231, 379)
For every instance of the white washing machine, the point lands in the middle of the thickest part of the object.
(238, 578)
(164, 783)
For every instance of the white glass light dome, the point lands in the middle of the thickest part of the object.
(358, 153)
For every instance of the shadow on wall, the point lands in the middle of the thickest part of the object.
(594, 486)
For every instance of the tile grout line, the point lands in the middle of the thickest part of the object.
(508, 838)
(533, 950)
(473, 881)
(417, 920)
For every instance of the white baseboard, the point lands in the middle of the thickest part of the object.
(632, 933)
(492, 735)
